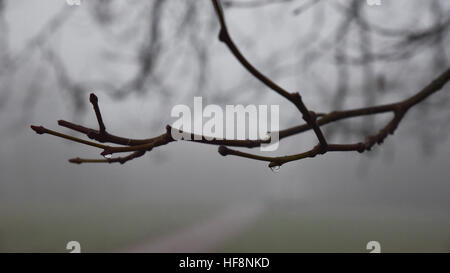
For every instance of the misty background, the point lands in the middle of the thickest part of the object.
(143, 57)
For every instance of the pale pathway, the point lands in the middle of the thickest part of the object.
(206, 235)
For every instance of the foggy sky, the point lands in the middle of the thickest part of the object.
(34, 170)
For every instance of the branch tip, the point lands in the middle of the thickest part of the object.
(94, 101)
(93, 98)
(40, 130)
(76, 160)
(223, 151)
(168, 129)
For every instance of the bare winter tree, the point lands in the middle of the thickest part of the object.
(365, 53)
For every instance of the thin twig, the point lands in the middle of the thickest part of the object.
(294, 98)
(94, 101)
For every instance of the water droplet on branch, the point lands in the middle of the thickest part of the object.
(275, 169)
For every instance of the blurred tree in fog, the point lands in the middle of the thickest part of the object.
(346, 51)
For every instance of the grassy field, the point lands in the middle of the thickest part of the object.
(339, 230)
(100, 228)
(282, 228)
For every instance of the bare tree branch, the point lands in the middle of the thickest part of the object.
(138, 147)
